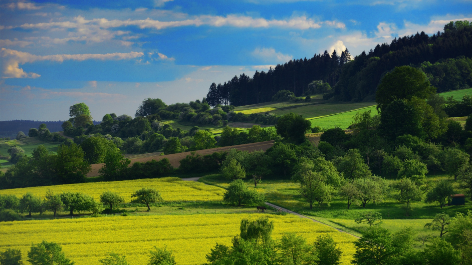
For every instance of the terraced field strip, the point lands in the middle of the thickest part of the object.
(171, 189)
(191, 237)
(174, 159)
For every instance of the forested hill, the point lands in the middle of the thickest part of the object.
(356, 80)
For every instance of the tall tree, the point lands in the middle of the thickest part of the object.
(150, 106)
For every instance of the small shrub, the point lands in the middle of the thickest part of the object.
(9, 215)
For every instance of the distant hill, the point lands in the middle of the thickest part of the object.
(11, 128)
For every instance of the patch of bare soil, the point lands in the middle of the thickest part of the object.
(174, 159)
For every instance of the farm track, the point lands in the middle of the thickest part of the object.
(303, 216)
(174, 159)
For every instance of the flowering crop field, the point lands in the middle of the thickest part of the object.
(87, 240)
(171, 189)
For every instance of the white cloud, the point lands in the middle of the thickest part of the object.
(205, 68)
(338, 46)
(23, 6)
(14, 58)
(240, 21)
(269, 54)
(263, 67)
(161, 3)
(15, 42)
(93, 84)
(164, 57)
(386, 30)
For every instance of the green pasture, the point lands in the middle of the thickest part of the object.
(457, 94)
(317, 110)
(342, 120)
(395, 217)
(28, 144)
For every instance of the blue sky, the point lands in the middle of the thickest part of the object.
(111, 55)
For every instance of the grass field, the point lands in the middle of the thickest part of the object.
(28, 144)
(285, 193)
(87, 240)
(341, 120)
(171, 189)
(457, 94)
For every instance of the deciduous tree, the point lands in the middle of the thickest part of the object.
(147, 196)
(30, 204)
(47, 253)
(11, 257)
(440, 193)
(111, 198)
(53, 202)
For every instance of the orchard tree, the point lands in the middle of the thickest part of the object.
(414, 170)
(440, 193)
(292, 127)
(440, 222)
(30, 204)
(370, 189)
(47, 253)
(111, 199)
(77, 202)
(349, 191)
(404, 82)
(455, 161)
(441, 252)
(53, 202)
(352, 165)
(294, 249)
(371, 218)
(408, 192)
(465, 179)
(147, 196)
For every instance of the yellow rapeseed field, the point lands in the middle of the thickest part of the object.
(252, 111)
(171, 189)
(190, 237)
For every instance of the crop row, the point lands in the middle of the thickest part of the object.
(171, 189)
(87, 240)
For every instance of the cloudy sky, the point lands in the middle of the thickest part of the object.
(111, 55)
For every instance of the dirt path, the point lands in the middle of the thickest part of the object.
(303, 216)
(191, 179)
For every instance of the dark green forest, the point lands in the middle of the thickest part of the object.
(357, 79)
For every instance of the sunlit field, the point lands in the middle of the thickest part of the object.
(190, 237)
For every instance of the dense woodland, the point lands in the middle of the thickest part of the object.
(352, 80)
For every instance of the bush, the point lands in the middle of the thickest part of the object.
(238, 194)
(11, 257)
(283, 95)
(9, 215)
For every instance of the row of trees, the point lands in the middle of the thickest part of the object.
(70, 201)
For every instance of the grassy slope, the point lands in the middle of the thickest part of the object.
(28, 144)
(285, 194)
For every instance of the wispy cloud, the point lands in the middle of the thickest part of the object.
(20, 5)
(240, 21)
(270, 55)
(13, 59)
(161, 3)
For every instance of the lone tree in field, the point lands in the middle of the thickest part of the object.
(80, 115)
(111, 199)
(161, 257)
(440, 222)
(147, 196)
(47, 253)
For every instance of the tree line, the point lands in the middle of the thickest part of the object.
(357, 79)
